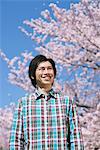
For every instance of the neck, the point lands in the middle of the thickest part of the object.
(44, 90)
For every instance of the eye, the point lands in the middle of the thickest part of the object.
(50, 68)
(41, 69)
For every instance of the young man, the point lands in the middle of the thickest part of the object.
(45, 120)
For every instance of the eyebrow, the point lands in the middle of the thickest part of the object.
(45, 67)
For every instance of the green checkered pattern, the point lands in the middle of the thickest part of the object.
(46, 123)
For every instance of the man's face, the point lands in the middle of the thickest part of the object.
(44, 74)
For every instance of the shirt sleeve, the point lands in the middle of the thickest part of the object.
(75, 134)
(17, 134)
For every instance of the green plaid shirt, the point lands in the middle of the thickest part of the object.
(46, 123)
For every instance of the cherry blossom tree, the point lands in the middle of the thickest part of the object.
(6, 116)
(72, 38)
(90, 123)
(74, 34)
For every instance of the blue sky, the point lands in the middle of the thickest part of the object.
(13, 41)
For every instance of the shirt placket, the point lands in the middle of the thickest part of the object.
(46, 122)
(48, 129)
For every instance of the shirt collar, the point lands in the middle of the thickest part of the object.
(39, 94)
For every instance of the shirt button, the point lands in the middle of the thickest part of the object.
(43, 96)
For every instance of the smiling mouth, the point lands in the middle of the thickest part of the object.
(47, 77)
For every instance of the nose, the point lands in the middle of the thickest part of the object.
(45, 71)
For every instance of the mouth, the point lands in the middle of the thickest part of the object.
(46, 77)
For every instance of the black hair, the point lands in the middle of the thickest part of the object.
(34, 64)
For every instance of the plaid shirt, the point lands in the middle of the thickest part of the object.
(46, 123)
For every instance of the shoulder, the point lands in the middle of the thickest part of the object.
(64, 98)
(26, 99)
(68, 100)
